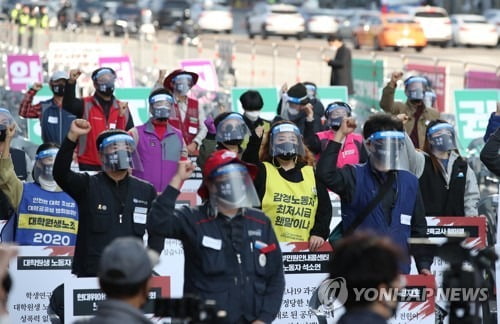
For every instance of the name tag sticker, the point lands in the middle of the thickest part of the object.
(140, 210)
(53, 120)
(192, 130)
(139, 218)
(211, 242)
(405, 219)
(112, 125)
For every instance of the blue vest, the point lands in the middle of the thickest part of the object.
(55, 122)
(367, 187)
(46, 218)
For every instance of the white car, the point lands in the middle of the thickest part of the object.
(214, 18)
(281, 19)
(493, 17)
(435, 23)
(473, 30)
(321, 22)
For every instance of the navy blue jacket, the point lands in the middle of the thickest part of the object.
(399, 215)
(243, 281)
(54, 121)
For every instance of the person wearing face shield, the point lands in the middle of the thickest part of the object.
(159, 145)
(230, 134)
(188, 117)
(252, 103)
(103, 111)
(232, 254)
(285, 180)
(54, 121)
(353, 150)
(318, 108)
(382, 182)
(295, 106)
(111, 203)
(43, 213)
(448, 185)
(415, 108)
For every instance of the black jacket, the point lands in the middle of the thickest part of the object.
(243, 281)
(341, 69)
(489, 154)
(107, 209)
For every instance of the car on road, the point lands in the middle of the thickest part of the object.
(493, 17)
(126, 19)
(172, 11)
(352, 19)
(214, 18)
(434, 21)
(89, 11)
(281, 19)
(390, 30)
(474, 30)
(321, 22)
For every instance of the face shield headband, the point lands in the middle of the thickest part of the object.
(298, 101)
(311, 91)
(286, 148)
(117, 152)
(183, 83)
(105, 81)
(232, 187)
(415, 88)
(161, 105)
(232, 128)
(386, 150)
(442, 137)
(335, 113)
(44, 164)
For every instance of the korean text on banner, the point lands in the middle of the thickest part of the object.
(207, 77)
(23, 71)
(473, 108)
(35, 273)
(123, 68)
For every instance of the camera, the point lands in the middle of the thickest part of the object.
(3, 132)
(189, 310)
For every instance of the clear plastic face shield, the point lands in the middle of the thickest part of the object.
(293, 106)
(183, 83)
(442, 138)
(117, 153)
(105, 81)
(311, 91)
(161, 105)
(6, 120)
(232, 187)
(44, 164)
(387, 151)
(232, 130)
(335, 113)
(415, 88)
(430, 98)
(286, 142)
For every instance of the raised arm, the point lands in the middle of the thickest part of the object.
(70, 103)
(11, 186)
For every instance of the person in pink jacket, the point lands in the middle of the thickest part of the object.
(352, 152)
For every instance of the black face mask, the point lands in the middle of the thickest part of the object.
(3, 133)
(285, 149)
(58, 90)
(234, 142)
(287, 157)
(106, 89)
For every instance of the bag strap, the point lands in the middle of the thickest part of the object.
(384, 188)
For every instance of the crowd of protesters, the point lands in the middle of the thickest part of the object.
(264, 183)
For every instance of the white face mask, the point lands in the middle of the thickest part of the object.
(252, 115)
(292, 111)
(49, 185)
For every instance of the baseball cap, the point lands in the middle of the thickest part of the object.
(218, 159)
(126, 261)
(59, 75)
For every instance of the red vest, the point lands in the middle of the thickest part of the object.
(190, 126)
(349, 153)
(94, 114)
